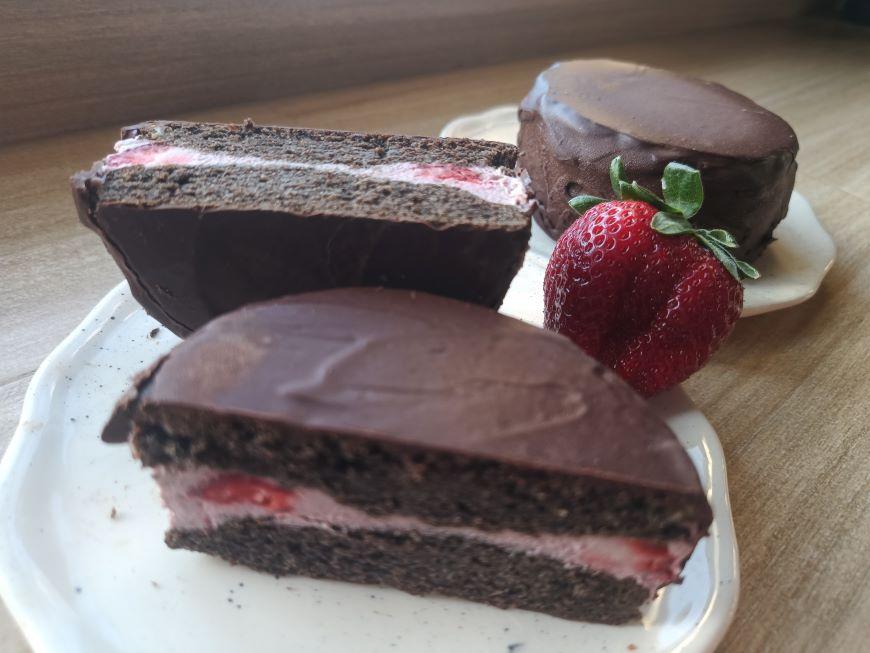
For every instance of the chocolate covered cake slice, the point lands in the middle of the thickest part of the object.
(581, 114)
(398, 438)
(204, 218)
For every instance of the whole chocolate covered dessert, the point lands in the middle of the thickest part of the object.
(204, 218)
(580, 114)
(403, 439)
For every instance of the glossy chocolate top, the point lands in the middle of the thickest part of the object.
(658, 106)
(422, 371)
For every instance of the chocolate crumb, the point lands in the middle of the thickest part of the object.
(153, 333)
(114, 513)
(632, 647)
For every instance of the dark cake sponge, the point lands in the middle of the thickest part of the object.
(421, 564)
(324, 145)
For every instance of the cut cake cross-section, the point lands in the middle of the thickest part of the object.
(204, 218)
(398, 438)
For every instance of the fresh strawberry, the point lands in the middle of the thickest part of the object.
(636, 286)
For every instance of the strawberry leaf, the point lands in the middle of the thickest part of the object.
(682, 189)
(723, 255)
(644, 195)
(670, 224)
(747, 270)
(583, 203)
(729, 262)
(633, 191)
(720, 236)
(617, 175)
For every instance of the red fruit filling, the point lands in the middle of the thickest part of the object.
(652, 557)
(241, 488)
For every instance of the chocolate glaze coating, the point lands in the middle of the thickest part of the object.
(580, 114)
(216, 261)
(414, 370)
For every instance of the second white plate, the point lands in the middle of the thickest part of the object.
(792, 267)
(83, 566)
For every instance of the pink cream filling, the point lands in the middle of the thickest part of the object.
(489, 184)
(204, 499)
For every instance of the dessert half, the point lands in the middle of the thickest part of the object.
(398, 438)
(203, 218)
(580, 114)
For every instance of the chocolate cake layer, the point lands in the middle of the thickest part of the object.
(323, 145)
(402, 402)
(421, 564)
(204, 218)
(581, 114)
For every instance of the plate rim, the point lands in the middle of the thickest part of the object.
(29, 607)
(50, 628)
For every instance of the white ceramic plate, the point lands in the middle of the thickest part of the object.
(83, 566)
(792, 268)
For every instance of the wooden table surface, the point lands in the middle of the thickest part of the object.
(789, 393)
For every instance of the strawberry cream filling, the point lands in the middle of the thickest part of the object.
(204, 499)
(487, 183)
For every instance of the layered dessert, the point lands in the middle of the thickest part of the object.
(580, 114)
(204, 218)
(398, 438)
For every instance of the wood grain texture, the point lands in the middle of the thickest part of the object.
(68, 65)
(789, 394)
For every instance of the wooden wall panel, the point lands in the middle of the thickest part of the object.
(74, 64)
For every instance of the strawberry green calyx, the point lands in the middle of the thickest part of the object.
(683, 195)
